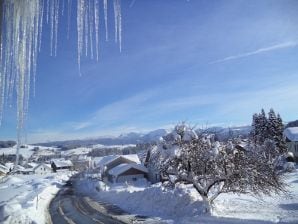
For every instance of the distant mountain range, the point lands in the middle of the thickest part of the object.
(153, 136)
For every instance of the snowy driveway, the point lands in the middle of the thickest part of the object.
(72, 207)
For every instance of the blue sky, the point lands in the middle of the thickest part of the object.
(204, 62)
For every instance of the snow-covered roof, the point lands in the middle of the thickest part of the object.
(62, 162)
(48, 166)
(291, 133)
(108, 159)
(116, 171)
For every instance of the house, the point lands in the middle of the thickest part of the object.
(42, 169)
(127, 172)
(22, 170)
(107, 163)
(61, 164)
(291, 136)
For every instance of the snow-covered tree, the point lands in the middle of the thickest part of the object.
(268, 129)
(213, 168)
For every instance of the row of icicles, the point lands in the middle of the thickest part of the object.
(21, 25)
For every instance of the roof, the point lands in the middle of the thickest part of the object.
(116, 171)
(62, 162)
(108, 159)
(291, 134)
(43, 164)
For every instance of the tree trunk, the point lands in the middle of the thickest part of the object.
(207, 205)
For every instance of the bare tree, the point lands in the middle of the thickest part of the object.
(213, 169)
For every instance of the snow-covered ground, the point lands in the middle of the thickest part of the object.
(25, 198)
(183, 204)
(26, 151)
(279, 208)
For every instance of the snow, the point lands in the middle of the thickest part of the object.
(28, 151)
(103, 161)
(291, 133)
(116, 171)
(184, 205)
(25, 198)
(279, 208)
(76, 151)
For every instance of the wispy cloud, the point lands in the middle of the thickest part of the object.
(258, 51)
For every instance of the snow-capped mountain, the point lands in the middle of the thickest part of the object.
(152, 136)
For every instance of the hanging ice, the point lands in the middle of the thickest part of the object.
(20, 41)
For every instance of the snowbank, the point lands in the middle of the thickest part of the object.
(183, 204)
(153, 201)
(25, 198)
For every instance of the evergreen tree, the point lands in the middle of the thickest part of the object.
(280, 141)
(268, 129)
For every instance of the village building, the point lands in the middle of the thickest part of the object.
(291, 136)
(119, 168)
(61, 164)
(43, 169)
(127, 172)
(22, 170)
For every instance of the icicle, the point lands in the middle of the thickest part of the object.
(62, 11)
(40, 24)
(116, 19)
(105, 7)
(22, 29)
(80, 29)
(118, 23)
(20, 41)
(96, 22)
(91, 22)
(68, 16)
(86, 30)
(48, 10)
(52, 14)
(56, 18)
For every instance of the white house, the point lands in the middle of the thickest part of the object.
(108, 162)
(127, 172)
(291, 135)
(42, 169)
(119, 168)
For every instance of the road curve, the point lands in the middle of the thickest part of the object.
(70, 207)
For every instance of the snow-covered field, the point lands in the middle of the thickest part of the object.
(27, 151)
(25, 198)
(183, 204)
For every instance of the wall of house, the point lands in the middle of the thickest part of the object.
(293, 147)
(42, 170)
(129, 178)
